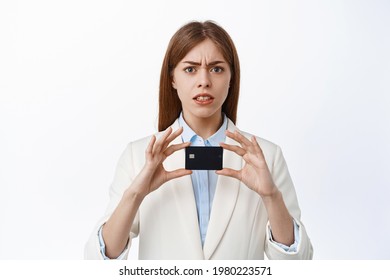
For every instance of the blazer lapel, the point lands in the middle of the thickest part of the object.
(225, 198)
(184, 197)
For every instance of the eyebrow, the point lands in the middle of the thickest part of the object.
(199, 64)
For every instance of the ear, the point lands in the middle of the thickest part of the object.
(173, 83)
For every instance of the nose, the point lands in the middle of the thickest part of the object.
(204, 79)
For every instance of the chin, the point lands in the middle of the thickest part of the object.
(205, 113)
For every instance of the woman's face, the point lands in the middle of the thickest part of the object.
(202, 80)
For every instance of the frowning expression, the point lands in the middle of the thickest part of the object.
(202, 80)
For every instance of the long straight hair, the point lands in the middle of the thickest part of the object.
(186, 38)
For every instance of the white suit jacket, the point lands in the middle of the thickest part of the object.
(167, 222)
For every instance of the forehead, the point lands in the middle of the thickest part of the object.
(205, 50)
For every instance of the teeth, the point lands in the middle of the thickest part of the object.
(203, 98)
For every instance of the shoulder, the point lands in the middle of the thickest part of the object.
(140, 145)
(136, 149)
(273, 154)
(145, 140)
(270, 150)
(266, 145)
(142, 142)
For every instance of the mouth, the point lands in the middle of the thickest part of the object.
(203, 97)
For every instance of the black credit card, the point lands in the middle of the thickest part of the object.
(204, 158)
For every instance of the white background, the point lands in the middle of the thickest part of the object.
(79, 80)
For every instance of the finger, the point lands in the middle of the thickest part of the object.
(173, 148)
(257, 147)
(172, 136)
(238, 150)
(160, 142)
(149, 149)
(248, 144)
(230, 172)
(177, 173)
(239, 138)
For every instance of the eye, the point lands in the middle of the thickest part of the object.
(189, 69)
(217, 69)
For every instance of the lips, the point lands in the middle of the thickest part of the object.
(203, 97)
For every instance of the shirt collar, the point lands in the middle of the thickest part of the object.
(189, 135)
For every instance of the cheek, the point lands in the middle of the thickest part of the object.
(181, 94)
(184, 88)
(226, 80)
(179, 83)
(226, 85)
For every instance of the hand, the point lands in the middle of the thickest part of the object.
(255, 173)
(153, 174)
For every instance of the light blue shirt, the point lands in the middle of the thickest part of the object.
(204, 182)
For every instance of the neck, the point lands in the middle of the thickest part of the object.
(204, 127)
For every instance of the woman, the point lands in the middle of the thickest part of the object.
(240, 212)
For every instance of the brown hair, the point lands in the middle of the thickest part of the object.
(186, 38)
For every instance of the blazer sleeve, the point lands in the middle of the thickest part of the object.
(124, 175)
(283, 181)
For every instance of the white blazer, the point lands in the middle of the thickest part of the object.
(167, 222)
